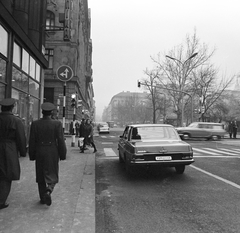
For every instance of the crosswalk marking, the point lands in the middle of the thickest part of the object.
(205, 152)
(109, 152)
(223, 152)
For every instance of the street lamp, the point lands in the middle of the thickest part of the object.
(184, 77)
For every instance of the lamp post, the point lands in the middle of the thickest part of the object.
(184, 77)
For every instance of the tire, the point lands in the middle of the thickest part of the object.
(120, 158)
(180, 169)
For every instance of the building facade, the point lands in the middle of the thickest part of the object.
(22, 61)
(68, 42)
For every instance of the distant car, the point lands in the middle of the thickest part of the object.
(154, 144)
(208, 130)
(103, 127)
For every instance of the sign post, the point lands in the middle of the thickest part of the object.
(64, 73)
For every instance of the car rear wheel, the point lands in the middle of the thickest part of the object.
(127, 167)
(120, 158)
(180, 169)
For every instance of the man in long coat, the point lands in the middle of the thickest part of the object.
(47, 146)
(12, 145)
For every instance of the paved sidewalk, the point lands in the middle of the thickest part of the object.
(73, 199)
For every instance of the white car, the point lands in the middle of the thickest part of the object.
(103, 127)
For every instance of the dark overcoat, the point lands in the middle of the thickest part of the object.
(47, 146)
(12, 145)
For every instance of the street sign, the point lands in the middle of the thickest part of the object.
(64, 73)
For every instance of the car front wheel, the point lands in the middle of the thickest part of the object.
(186, 136)
(180, 169)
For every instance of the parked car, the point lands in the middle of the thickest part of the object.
(208, 130)
(153, 144)
(103, 127)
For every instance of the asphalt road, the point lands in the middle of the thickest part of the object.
(204, 199)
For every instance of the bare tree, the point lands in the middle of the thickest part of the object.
(178, 73)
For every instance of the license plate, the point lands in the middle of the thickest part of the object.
(161, 158)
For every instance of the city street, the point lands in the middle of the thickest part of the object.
(204, 199)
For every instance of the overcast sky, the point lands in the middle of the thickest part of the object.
(125, 33)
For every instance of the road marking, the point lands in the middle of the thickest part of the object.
(109, 152)
(216, 177)
(204, 151)
(223, 152)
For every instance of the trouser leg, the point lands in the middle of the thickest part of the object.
(42, 188)
(5, 187)
(50, 187)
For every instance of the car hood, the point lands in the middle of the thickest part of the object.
(162, 146)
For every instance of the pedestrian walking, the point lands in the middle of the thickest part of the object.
(81, 128)
(12, 145)
(77, 125)
(88, 136)
(47, 146)
(235, 127)
(230, 129)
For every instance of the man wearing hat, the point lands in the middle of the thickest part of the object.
(12, 144)
(47, 146)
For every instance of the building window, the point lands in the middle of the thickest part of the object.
(17, 55)
(50, 20)
(49, 57)
(32, 67)
(3, 41)
(25, 61)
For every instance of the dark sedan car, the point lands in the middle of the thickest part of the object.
(154, 144)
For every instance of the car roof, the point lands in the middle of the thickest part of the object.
(145, 125)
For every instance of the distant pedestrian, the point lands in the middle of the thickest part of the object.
(230, 129)
(47, 146)
(88, 136)
(12, 144)
(81, 128)
(77, 125)
(235, 127)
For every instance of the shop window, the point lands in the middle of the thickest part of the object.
(50, 20)
(2, 70)
(19, 80)
(3, 41)
(49, 57)
(25, 61)
(34, 88)
(2, 91)
(17, 55)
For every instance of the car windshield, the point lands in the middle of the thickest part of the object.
(157, 133)
(193, 125)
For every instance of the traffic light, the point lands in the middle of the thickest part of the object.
(139, 83)
(79, 103)
(73, 100)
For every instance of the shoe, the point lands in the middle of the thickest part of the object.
(47, 198)
(95, 151)
(42, 201)
(81, 151)
(3, 206)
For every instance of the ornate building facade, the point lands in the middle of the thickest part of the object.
(68, 42)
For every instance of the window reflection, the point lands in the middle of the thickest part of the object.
(33, 88)
(19, 80)
(38, 72)
(2, 91)
(3, 41)
(2, 70)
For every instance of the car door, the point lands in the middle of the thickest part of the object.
(123, 140)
